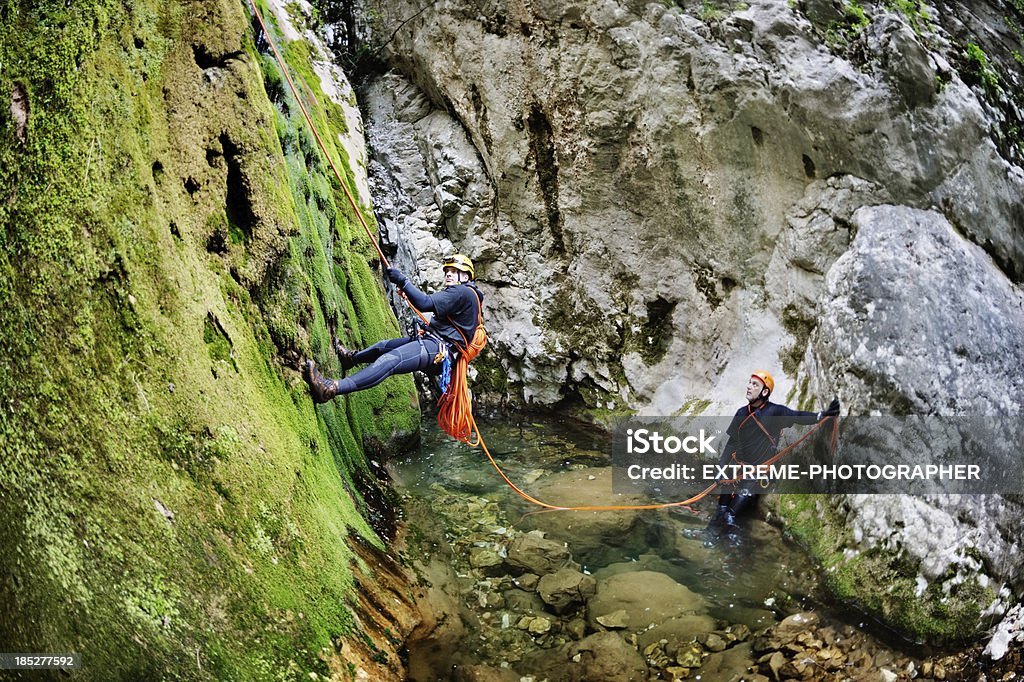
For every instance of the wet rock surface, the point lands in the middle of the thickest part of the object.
(533, 553)
(646, 599)
(564, 146)
(661, 196)
(566, 589)
(531, 611)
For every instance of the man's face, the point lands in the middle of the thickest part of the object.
(754, 388)
(451, 277)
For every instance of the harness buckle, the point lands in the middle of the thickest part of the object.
(442, 352)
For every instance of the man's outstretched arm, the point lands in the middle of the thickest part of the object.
(423, 302)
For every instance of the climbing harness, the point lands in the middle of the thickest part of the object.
(443, 356)
(752, 414)
(455, 413)
(455, 409)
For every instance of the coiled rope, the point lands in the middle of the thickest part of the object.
(466, 423)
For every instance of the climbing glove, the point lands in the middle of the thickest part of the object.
(832, 410)
(396, 277)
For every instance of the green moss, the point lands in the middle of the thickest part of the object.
(563, 313)
(800, 327)
(217, 342)
(693, 406)
(982, 70)
(709, 13)
(915, 12)
(656, 331)
(880, 583)
(704, 280)
(855, 16)
(855, 20)
(800, 395)
(491, 378)
(166, 485)
(595, 410)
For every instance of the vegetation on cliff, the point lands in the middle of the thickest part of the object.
(171, 503)
(885, 584)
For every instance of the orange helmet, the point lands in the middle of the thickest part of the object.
(765, 378)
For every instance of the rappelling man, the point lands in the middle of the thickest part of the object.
(457, 311)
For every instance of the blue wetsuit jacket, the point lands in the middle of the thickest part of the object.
(456, 308)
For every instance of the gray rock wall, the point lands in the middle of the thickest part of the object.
(661, 198)
(630, 178)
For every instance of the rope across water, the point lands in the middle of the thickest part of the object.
(469, 427)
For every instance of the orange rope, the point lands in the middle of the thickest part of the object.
(455, 407)
(665, 505)
(460, 419)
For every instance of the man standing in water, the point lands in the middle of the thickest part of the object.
(753, 439)
(456, 311)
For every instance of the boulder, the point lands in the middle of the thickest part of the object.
(532, 553)
(601, 657)
(565, 589)
(678, 630)
(647, 597)
(517, 601)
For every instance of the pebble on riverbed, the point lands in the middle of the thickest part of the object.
(537, 613)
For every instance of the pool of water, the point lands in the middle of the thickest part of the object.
(463, 503)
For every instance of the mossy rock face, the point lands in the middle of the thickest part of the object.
(884, 584)
(171, 247)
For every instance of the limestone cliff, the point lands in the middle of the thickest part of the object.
(172, 505)
(662, 196)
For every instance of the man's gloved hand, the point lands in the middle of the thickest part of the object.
(396, 277)
(832, 410)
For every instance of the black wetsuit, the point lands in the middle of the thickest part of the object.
(459, 302)
(753, 439)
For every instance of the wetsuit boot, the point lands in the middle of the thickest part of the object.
(346, 356)
(720, 516)
(716, 525)
(321, 388)
(740, 501)
(730, 528)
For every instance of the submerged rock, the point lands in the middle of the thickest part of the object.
(601, 657)
(533, 553)
(594, 537)
(483, 673)
(565, 589)
(614, 620)
(794, 625)
(677, 630)
(484, 558)
(648, 598)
